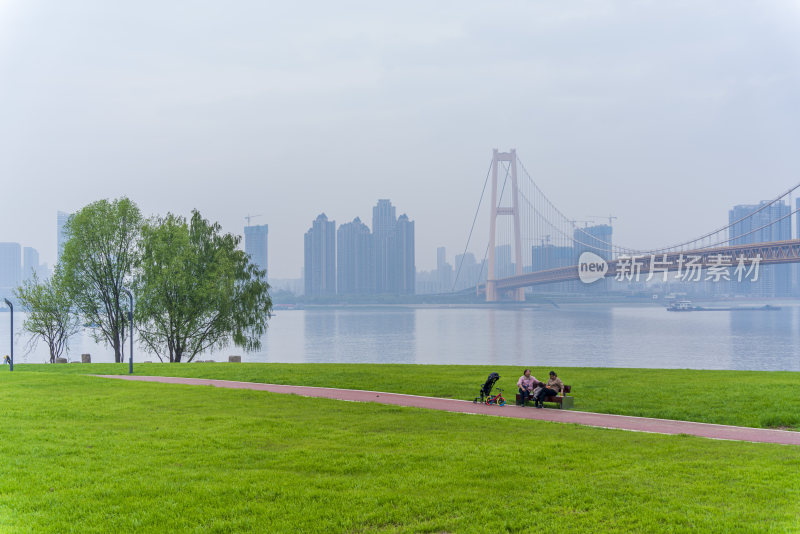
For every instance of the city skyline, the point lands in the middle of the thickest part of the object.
(352, 260)
(18, 264)
(604, 110)
(543, 256)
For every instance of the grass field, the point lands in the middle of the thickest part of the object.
(86, 454)
(744, 398)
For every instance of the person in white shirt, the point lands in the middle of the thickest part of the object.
(526, 385)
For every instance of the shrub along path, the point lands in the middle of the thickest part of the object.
(623, 422)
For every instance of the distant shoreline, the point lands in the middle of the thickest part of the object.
(534, 304)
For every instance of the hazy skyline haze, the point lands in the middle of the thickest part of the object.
(664, 114)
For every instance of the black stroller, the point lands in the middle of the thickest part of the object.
(486, 396)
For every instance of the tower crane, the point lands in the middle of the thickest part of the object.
(609, 217)
(248, 217)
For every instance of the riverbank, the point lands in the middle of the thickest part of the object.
(719, 397)
(470, 300)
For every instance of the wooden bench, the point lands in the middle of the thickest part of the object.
(564, 402)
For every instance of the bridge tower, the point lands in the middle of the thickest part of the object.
(492, 295)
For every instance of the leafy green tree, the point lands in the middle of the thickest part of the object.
(98, 259)
(196, 291)
(50, 318)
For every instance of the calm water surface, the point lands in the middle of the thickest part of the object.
(621, 336)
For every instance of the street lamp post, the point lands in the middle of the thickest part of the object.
(11, 307)
(130, 318)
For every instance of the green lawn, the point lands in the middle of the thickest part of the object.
(86, 454)
(745, 398)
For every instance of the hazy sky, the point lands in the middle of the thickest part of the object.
(662, 113)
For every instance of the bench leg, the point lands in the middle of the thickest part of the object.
(563, 402)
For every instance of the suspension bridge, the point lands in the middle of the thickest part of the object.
(532, 243)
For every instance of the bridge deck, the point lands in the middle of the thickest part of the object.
(773, 253)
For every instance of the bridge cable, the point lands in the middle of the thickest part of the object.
(761, 208)
(776, 221)
(477, 211)
(566, 237)
(619, 248)
(550, 207)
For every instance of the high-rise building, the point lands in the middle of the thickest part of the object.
(771, 223)
(256, 245)
(444, 271)
(426, 282)
(10, 267)
(797, 219)
(61, 221)
(468, 272)
(393, 240)
(30, 263)
(406, 267)
(384, 231)
(547, 256)
(503, 264)
(596, 239)
(320, 258)
(355, 259)
(796, 266)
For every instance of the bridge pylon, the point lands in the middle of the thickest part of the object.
(492, 294)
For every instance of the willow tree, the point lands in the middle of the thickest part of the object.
(196, 291)
(49, 315)
(98, 259)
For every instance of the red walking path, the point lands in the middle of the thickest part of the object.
(623, 422)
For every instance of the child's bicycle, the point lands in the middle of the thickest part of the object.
(496, 399)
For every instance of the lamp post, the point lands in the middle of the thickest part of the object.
(130, 318)
(11, 307)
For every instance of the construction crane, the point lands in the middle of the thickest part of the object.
(585, 223)
(248, 217)
(609, 217)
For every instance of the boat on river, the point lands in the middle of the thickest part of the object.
(687, 306)
(681, 306)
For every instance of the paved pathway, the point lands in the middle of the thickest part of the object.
(624, 422)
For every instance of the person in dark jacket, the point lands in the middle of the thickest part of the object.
(554, 387)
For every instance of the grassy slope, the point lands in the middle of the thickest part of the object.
(746, 398)
(85, 454)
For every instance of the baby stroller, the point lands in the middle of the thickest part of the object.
(486, 389)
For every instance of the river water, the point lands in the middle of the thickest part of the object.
(574, 335)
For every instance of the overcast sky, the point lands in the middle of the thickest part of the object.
(664, 114)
